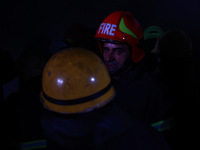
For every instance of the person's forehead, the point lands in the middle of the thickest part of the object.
(121, 45)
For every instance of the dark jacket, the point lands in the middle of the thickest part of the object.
(21, 121)
(181, 77)
(105, 128)
(139, 94)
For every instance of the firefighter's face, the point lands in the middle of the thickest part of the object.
(115, 55)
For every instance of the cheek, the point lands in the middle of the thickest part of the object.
(121, 59)
(105, 56)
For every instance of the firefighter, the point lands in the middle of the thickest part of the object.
(79, 110)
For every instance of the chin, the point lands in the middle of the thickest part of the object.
(112, 71)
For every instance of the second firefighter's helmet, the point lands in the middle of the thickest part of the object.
(75, 80)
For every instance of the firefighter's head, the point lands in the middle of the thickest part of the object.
(119, 37)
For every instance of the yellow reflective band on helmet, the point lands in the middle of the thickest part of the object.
(124, 29)
(38, 144)
(163, 124)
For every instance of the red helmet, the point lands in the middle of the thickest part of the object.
(121, 26)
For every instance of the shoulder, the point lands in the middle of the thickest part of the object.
(135, 137)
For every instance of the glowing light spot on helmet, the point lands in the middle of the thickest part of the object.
(60, 81)
(92, 79)
(124, 28)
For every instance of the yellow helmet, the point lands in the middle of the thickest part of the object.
(75, 80)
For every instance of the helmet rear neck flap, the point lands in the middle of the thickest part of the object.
(121, 26)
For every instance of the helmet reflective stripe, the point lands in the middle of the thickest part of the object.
(79, 100)
(38, 144)
(163, 124)
(124, 29)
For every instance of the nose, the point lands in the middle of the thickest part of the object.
(109, 57)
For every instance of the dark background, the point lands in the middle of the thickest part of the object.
(45, 21)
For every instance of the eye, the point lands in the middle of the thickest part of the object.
(119, 51)
(105, 49)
